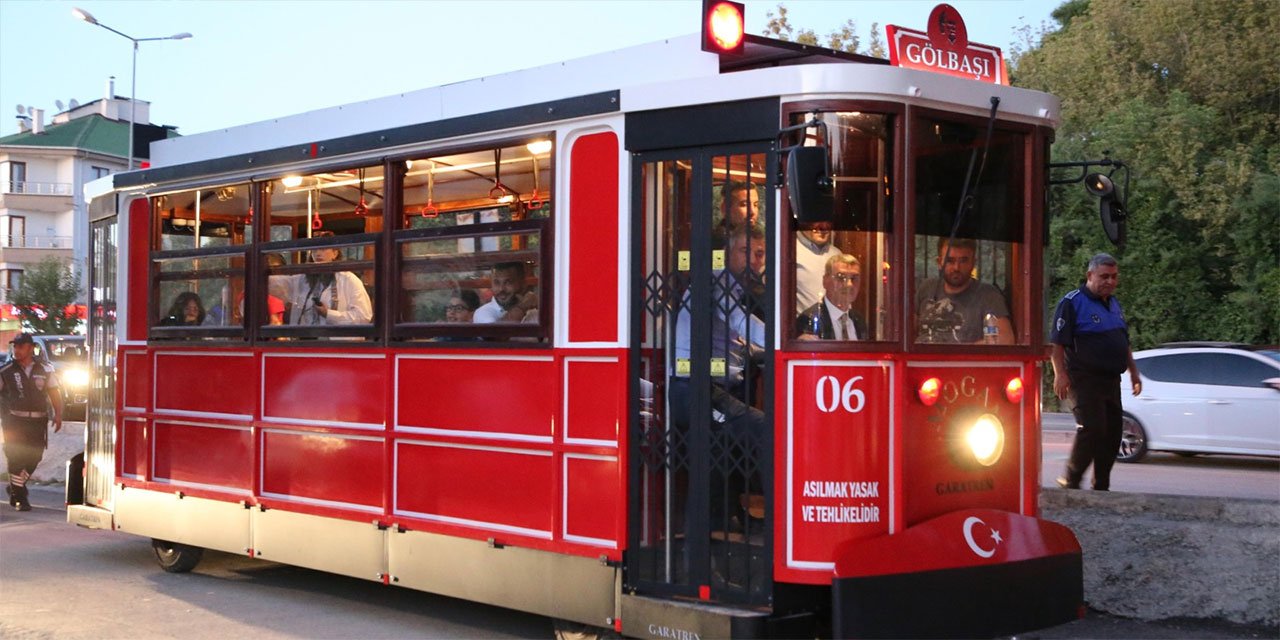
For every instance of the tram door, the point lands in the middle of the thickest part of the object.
(100, 419)
(701, 440)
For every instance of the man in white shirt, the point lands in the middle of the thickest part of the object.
(813, 250)
(512, 300)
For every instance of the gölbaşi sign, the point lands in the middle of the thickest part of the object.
(946, 49)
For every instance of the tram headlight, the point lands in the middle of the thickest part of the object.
(985, 438)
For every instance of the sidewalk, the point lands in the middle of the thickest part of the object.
(62, 445)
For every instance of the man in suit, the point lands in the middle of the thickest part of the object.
(833, 317)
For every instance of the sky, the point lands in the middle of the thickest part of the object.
(252, 61)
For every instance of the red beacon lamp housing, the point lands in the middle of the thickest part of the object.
(723, 26)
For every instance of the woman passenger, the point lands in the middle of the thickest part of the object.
(330, 297)
(186, 310)
(462, 306)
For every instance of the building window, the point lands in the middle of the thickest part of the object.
(99, 172)
(12, 281)
(17, 177)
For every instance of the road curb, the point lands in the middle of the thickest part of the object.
(1159, 557)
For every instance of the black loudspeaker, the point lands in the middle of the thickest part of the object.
(809, 187)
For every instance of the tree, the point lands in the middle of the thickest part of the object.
(1187, 94)
(44, 295)
(845, 38)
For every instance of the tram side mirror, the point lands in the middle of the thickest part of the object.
(809, 186)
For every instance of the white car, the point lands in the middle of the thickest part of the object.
(1203, 397)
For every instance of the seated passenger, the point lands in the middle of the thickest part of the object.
(328, 298)
(833, 317)
(950, 309)
(187, 310)
(462, 306)
(813, 251)
(513, 301)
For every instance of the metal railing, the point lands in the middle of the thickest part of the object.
(35, 242)
(37, 188)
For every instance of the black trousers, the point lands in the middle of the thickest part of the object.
(24, 444)
(1100, 415)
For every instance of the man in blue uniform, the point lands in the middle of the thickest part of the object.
(28, 387)
(1090, 351)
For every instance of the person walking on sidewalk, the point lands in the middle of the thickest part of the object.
(1090, 351)
(28, 388)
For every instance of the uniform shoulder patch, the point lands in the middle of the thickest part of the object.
(1071, 295)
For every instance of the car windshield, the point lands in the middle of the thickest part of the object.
(69, 350)
(1270, 353)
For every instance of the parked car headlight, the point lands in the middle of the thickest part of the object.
(76, 377)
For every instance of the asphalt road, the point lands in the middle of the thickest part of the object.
(1248, 477)
(60, 581)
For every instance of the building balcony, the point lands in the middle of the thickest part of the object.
(31, 249)
(44, 197)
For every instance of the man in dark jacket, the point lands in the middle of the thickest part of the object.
(1090, 351)
(28, 387)
(833, 317)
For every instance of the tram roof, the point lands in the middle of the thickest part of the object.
(658, 75)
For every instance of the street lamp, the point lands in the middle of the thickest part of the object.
(81, 14)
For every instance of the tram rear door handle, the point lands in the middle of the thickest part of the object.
(1219, 402)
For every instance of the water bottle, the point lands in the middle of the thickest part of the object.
(990, 329)
(815, 325)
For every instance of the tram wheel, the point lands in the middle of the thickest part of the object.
(176, 558)
(569, 630)
(1133, 440)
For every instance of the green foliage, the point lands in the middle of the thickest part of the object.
(845, 38)
(43, 297)
(1187, 95)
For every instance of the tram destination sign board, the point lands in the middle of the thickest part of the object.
(945, 48)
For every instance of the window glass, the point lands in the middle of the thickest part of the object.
(1166, 368)
(323, 287)
(198, 292)
(1241, 371)
(842, 267)
(341, 202)
(470, 245)
(212, 217)
(199, 261)
(966, 289)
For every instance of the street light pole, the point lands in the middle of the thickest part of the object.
(81, 14)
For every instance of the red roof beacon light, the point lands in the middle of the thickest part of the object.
(723, 26)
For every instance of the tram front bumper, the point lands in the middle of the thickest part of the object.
(971, 573)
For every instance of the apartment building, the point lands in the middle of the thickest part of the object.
(43, 169)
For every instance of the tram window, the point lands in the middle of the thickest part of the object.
(321, 287)
(469, 249)
(197, 293)
(466, 286)
(842, 266)
(210, 217)
(197, 266)
(960, 282)
(346, 201)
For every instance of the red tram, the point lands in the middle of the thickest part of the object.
(564, 340)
